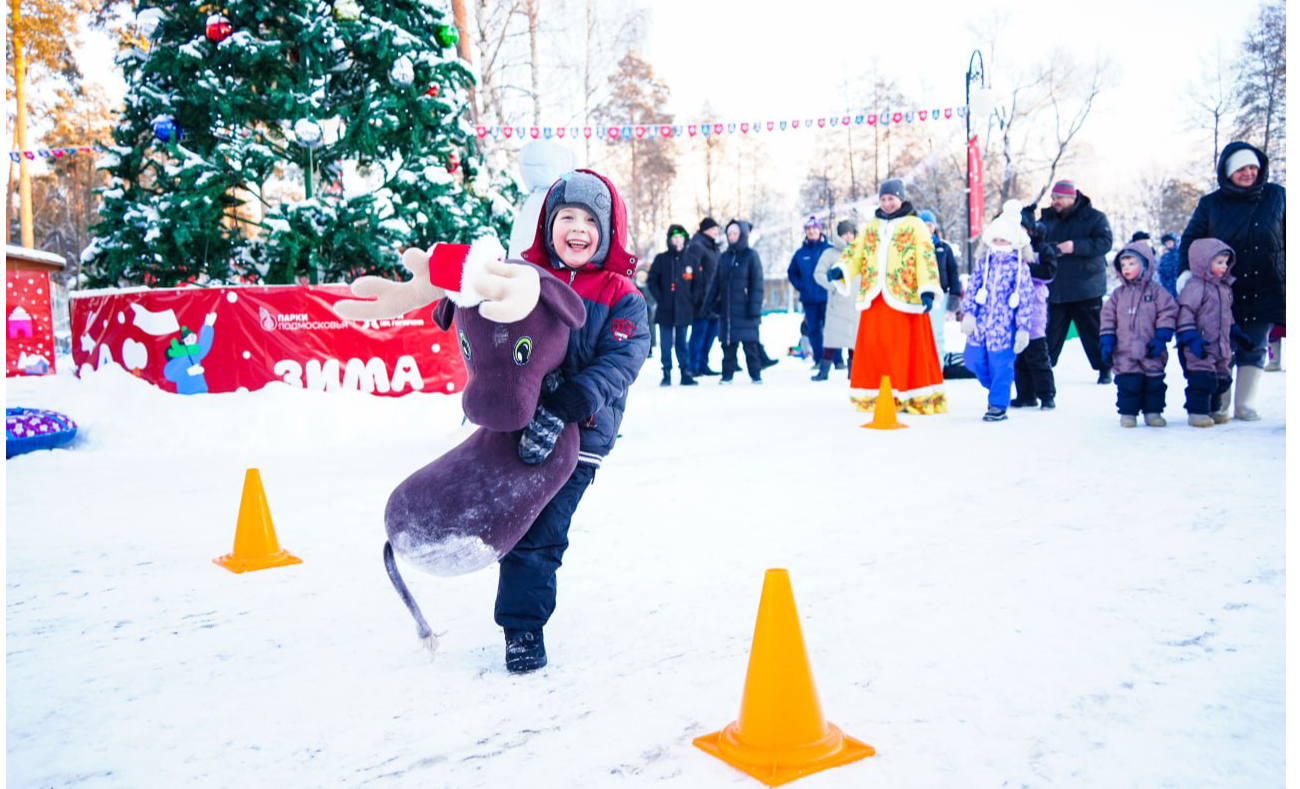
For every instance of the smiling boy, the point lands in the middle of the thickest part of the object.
(581, 237)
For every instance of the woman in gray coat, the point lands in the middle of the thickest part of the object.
(841, 330)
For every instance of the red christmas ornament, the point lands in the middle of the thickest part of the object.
(432, 91)
(453, 162)
(218, 28)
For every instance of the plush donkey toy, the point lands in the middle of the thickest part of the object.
(468, 508)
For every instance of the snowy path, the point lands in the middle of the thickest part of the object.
(1049, 601)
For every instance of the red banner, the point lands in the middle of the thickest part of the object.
(976, 185)
(194, 340)
(29, 324)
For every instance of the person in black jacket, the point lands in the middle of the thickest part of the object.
(949, 281)
(672, 283)
(702, 256)
(1248, 214)
(737, 296)
(1082, 237)
(1035, 384)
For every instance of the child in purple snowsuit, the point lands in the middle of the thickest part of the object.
(1206, 330)
(996, 308)
(1137, 322)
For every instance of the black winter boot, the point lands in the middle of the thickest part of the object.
(688, 380)
(823, 371)
(525, 651)
(668, 379)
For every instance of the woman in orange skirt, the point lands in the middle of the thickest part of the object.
(899, 282)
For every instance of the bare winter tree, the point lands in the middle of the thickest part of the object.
(498, 27)
(1261, 85)
(534, 60)
(1210, 102)
(578, 76)
(1070, 96)
(1040, 112)
(1157, 203)
(712, 153)
(938, 183)
(66, 203)
(526, 75)
(645, 164)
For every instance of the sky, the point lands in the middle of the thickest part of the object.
(750, 65)
(794, 63)
(1021, 603)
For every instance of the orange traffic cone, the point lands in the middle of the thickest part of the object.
(256, 547)
(885, 414)
(781, 733)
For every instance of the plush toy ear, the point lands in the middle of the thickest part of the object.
(564, 302)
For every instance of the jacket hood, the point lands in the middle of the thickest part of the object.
(617, 259)
(1202, 251)
(742, 243)
(1143, 250)
(1229, 186)
(905, 209)
(668, 237)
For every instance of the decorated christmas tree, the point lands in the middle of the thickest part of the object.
(240, 120)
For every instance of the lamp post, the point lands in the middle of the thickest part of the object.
(974, 71)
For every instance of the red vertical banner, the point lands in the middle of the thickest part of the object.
(29, 324)
(976, 196)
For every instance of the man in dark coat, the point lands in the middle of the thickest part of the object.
(737, 295)
(811, 295)
(702, 256)
(1082, 238)
(672, 283)
(1248, 214)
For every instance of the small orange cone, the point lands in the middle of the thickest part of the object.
(885, 413)
(256, 547)
(781, 733)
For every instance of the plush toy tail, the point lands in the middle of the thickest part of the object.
(427, 638)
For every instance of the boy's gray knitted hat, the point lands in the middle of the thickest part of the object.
(585, 191)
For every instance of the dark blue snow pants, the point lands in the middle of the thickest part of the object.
(673, 338)
(1138, 392)
(526, 585)
(1205, 391)
(814, 315)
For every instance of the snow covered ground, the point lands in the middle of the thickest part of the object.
(1049, 601)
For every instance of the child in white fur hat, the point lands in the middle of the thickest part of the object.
(996, 308)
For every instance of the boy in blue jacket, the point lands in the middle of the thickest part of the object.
(581, 236)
